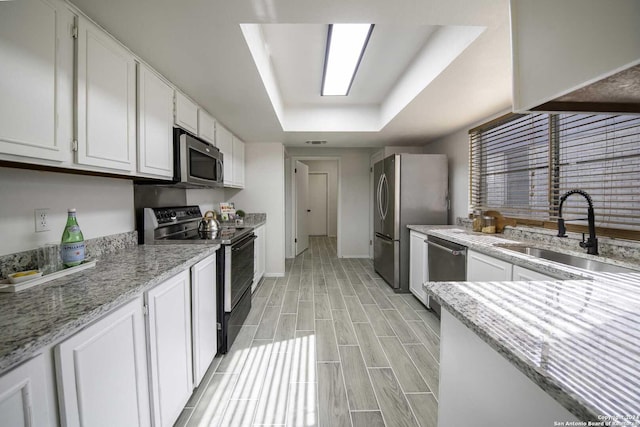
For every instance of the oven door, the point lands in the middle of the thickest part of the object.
(242, 257)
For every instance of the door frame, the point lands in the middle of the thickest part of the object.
(294, 200)
(326, 177)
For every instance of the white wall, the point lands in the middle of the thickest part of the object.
(105, 206)
(331, 168)
(456, 147)
(264, 192)
(353, 196)
(208, 199)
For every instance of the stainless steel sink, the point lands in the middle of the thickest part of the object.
(571, 260)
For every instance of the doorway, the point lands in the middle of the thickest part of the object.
(318, 219)
(317, 166)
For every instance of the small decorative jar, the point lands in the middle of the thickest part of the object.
(488, 224)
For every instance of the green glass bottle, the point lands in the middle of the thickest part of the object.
(72, 247)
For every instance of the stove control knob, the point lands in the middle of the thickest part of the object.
(173, 215)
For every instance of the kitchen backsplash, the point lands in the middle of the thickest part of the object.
(628, 250)
(28, 260)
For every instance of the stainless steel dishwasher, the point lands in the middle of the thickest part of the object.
(447, 263)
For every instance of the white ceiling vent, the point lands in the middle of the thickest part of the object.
(315, 142)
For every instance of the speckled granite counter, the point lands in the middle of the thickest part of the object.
(579, 340)
(35, 318)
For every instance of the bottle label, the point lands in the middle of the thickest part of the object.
(73, 229)
(72, 252)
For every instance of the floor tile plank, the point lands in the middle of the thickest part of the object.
(214, 401)
(425, 407)
(395, 407)
(345, 334)
(305, 316)
(267, 327)
(426, 364)
(356, 379)
(403, 308)
(257, 308)
(326, 345)
(290, 302)
(335, 300)
(367, 419)
(322, 306)
(378, 321)
(400, 327)
(429, 338)
(332, 397)
(284, 338)
(406, 372)
(233, 361)
(372, 352)
(381, 298)
(355, 309)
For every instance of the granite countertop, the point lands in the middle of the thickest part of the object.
(578, 339)
(40, 316)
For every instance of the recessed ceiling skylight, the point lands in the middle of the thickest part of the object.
(345, 46)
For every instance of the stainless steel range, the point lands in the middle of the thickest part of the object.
(179, 225)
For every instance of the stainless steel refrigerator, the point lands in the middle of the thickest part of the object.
(408, 189)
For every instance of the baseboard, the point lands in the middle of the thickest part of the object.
(273, 275)
(356, 256)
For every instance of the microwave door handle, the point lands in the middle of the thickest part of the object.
(221, 170)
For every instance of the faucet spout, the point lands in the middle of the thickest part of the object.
(592, 242)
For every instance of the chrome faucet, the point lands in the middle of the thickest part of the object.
(592, 243)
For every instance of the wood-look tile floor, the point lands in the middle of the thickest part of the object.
(329, 344)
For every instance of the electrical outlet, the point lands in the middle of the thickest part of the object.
(42, 220)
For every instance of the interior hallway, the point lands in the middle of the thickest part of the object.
(328, 344)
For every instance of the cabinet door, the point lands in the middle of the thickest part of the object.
(106, 101)
(102, 372)
(24, 396)
(224, 141)
(238, 163)
(521, 273)
(417, 265)
(169, 329)
(203, 316)
(483, 268)
(36, 101)
(206, 127)
(186, 113)
(260, 255)
(155, 124)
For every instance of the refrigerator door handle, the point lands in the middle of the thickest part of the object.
(379, 196)
(385, 208)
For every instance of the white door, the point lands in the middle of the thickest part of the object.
(102, 372)
(170, 354)
(24, 396)
(203, 316)
(106, 101)
(36, 71)
(155, 124)
(302, 206)
(318, 204)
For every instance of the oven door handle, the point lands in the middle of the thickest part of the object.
(451, 251)
(250, 240)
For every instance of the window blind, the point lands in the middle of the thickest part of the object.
(522, 164)
(510, 167)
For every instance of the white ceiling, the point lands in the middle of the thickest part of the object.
(431, 67)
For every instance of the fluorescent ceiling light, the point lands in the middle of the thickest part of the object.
(345, 47)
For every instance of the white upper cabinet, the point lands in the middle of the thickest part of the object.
(102, 372)
(224, 142)
(106, 101)
(238, 163)
(561, 46)
(155, 124)
(206, 127)
(186, 113)
(36, 71)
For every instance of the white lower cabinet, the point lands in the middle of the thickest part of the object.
(480, 387)
(259, 262)
(418, 265)
(102, 372)
(25, 399)
(203, 316)
(170, 354)
(521, 273)
(484, 268)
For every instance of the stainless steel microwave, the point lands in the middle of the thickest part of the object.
(196, 163)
